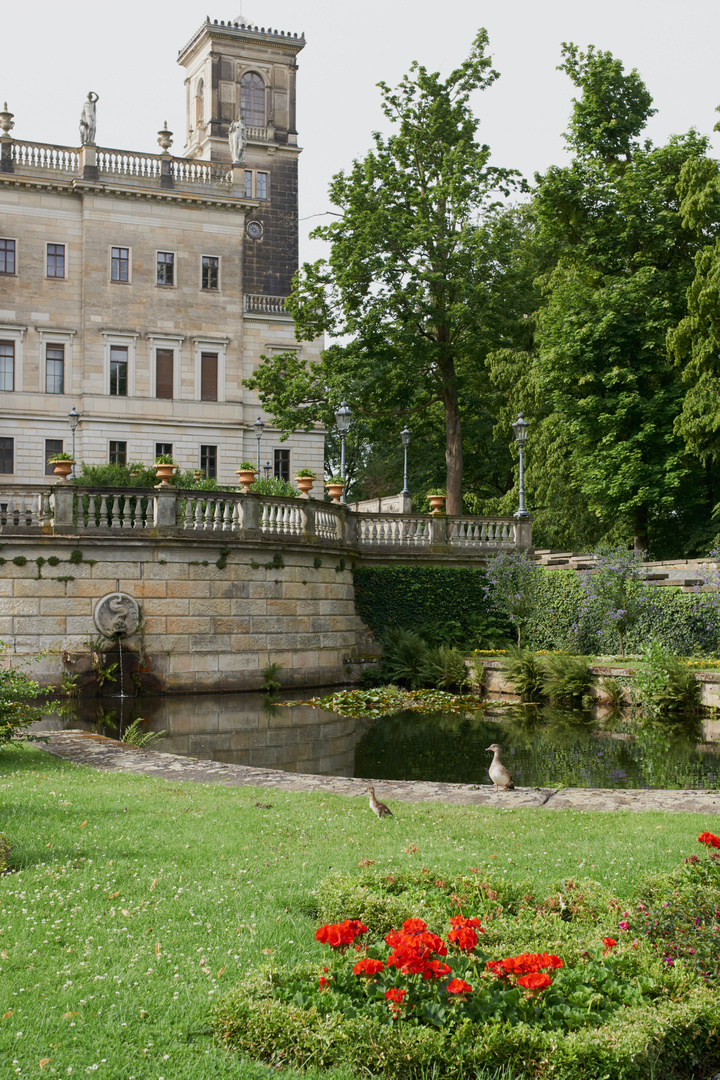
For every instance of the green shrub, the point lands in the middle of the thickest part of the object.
(19, 560)
(111, 475)
(525, 672)
(566, 678)
(273, 485)
(17, 689)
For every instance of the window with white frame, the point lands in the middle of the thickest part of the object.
(7, 365)
(120, 363)
(54, 369)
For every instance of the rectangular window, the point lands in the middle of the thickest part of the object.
(52, 447)
(165, 268)
(7, 365)
(163, 448)
(210, 272)
(7, 455)
(164, 373)
(209, 376)
(282, 464)
(208, 460)
(261, 185)
(248, 183)
(120, 264)
(55, 369)
(118, 370)
(118, 453)
(7, 256)
(56, 260)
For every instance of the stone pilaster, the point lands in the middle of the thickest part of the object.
(523, 533)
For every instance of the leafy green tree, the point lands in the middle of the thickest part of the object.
(410, 277)
(604, 390)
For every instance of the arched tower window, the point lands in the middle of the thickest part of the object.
(199, 103)
(252, 99)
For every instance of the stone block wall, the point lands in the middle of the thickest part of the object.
(204, 627)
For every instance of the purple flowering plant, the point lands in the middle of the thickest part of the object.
(613, 593)
(512, 587)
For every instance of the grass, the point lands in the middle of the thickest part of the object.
(135, 901)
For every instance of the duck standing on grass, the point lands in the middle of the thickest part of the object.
(376, 806)
(499, 775)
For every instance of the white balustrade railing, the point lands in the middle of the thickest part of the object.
(199, 172)
(281, 519)
(479, 532)
(65, 507)
(26, 509)
(395, 530)
(45, 156)
(260, 304)
(258, 133)
(116, 510)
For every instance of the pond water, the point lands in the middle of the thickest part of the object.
(541, 747)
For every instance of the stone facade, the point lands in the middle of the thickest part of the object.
(203, 627)
(69, 311)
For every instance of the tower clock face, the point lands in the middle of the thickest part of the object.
(254, 230)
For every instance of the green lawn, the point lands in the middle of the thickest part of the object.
(135, 902)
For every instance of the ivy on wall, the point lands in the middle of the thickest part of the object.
(413, 597)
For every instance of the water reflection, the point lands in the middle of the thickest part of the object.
(542, 747)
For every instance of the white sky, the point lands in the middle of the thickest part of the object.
(53, 53)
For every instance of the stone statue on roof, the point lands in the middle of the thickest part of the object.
(237, 138)
(88, 120)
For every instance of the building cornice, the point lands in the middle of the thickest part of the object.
(161, 195)
(246, 35)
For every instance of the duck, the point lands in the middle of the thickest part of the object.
(499, 775)
(376, 806)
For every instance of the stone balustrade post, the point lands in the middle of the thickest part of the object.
(523, 533)
(64, 505)
(438, 530)
(165, 515)
(6, 161)
(251, 516)
(88, 162)
(307, 512)
(349, 527)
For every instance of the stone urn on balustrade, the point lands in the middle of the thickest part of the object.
(62, 467)
(437, 502)
(246, 473)
(335, 489)
(305, 480)
(164, 474)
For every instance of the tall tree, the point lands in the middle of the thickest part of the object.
(607, 390)
(408, 277)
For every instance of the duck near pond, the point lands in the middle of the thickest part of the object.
(499, 775)
(376, 806)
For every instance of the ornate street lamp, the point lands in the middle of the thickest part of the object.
(343, 417)
(266, 468)
(73, 420)
(520, 428)
(405, 436)
(259, 428)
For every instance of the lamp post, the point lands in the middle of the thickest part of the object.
(405, 436)
(266, 468)
(520, 429)
(342, 420)
(73, 420)
(259, 428)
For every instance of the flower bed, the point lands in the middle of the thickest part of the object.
(449, 1001)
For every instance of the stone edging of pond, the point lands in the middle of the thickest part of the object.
(100, 752)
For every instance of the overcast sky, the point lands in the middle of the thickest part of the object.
(53, 53)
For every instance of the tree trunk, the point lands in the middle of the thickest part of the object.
(453, 434)
(640, 540)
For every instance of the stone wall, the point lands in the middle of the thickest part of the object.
(204, 627)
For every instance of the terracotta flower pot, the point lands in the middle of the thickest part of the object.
(164, 473)
(246, 477)
(335, 491)
(437, 503)
(305, 484)
(62, 468)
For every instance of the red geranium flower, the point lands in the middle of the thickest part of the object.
(395, 998)
(323, 983)
(435, 969)
(414, 926)
(497, 967)
(535, 981)
(464, 937)
(458, 986)
(609, 943)
(460, 920)
(337, 935)
(709, 839)
(368, 967)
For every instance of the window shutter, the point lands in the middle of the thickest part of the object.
(208, 377)
(164, 373)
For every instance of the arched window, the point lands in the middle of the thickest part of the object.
(199, 103)
(252, 99)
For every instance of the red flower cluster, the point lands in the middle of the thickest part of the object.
(463, 933)
(458, 986)
(395, 998)
(709, 839)
(535, 981)
(323, 983)
(524, 964)
(339, 935)
(412, 947)
(609, 943)
(368, 967)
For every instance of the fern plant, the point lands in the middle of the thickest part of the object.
(271, 684)
(525, 673)
(566, 678)
(133, 736)
(404, 658)
(445, 668)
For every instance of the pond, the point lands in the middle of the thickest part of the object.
(542, 747)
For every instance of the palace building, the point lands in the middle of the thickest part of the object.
(143, 288)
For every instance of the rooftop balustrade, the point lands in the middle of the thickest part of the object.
(66, 508)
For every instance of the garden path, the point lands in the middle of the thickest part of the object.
(100, 752)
